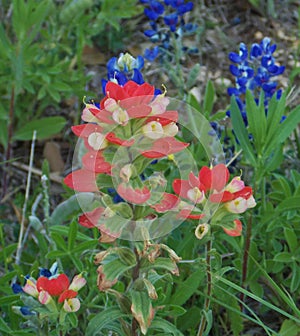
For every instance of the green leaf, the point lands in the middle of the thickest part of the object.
(291, 238)
(173, 310)
(285, 129)
(103, 320)
(3, 133)
(4, 327)
(241, 132)
(256, 119)
(290, 203)
(113, 268)
(9, 299)
(142, 309)
(64, 231)
(192, 76)
(73, 228)
(209, 99)
(164, 264)
(165, 326)
(56, 254)
(71, 206)
(85, 246)
(295, 282)
(45, 127)
(187, 288)
(289, 328)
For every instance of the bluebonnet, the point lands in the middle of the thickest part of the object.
(166, 18)
(26, 311)
(254, 71)
(17, 288)
(124, 68)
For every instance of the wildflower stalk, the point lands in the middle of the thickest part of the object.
(135, 275)
(22, 225)
(202, 324)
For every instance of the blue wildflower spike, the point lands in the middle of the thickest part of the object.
(166, 25)
(254, 71)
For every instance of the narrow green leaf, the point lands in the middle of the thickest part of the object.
(3, 133)
(9, 299)
(209, 98)
(4, 327)
(73, 228)
(45, 127)
(56, 254)
(187, 288)
(285, 257)
(103, 320)
(284, 129)
(241, 132)
(291, 238)
(275, 112)
(256, 119)
(165, 326)
(192, 76)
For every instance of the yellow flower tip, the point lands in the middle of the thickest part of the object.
(171, 157)
(164, 89)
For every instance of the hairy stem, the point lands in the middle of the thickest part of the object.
(202, 324)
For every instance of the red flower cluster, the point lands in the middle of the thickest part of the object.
(59, 286)
(209, 186)
(128, 116)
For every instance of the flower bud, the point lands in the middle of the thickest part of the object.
(153, 130)
(71, 305)
(77, 283)
(97, 141)
(201, 230)
(126, 172)
(30, 287)
(44, 297)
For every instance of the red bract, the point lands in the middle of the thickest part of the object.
(164, 118)
(90, 219)
(187, 213)
(82, 180)
(129, 95)
(163, 147)
(111, 137)
(214, 178)
(53, 286)
(227, 196)
(67, 294)
(168, 202)
(237, 231)
(135, 196)
(95, 162)
(84, 130)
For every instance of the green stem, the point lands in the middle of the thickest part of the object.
(248, 237)
(202, 324)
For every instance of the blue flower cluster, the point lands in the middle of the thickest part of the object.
(17, 288)
(167, 13)
(124, 68)
(254, 71)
